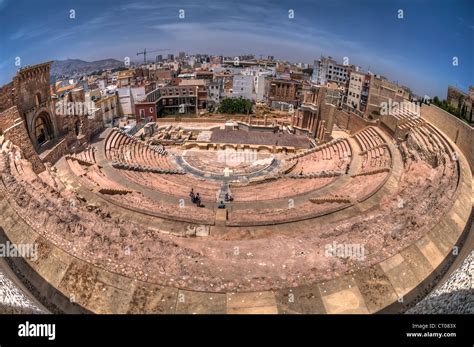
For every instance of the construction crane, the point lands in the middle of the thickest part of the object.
(145, 52)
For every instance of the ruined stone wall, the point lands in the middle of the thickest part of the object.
(94, 125)
(69, 124)
(390, 122)
(13, 128)
(342, 119)
(7, 96)
(29, 83)
(350, 122)
(58, 151)
(328, 115)
(455, 97)
(459, 132)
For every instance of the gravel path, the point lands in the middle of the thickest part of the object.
(455, 296)
(13, 300)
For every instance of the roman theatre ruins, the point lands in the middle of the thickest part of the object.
(365, 217)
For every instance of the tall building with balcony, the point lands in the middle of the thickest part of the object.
(354, 90)
(329, 70)
(364, 94)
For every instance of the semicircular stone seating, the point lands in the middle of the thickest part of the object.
(129, 240)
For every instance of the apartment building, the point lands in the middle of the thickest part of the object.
(381, 91)
(242, 86)
(189, 96)
(216, 92)
(124, 78)
(354, 90)
(329, 70)
(110, 107)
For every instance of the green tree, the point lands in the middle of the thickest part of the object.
(233, 106)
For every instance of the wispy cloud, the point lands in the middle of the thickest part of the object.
(29, 32)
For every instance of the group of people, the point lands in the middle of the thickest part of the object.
(227, 198)
(195, 198)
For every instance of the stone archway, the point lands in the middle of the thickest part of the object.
(42, 129)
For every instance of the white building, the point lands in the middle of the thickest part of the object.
(216, 91)
(259, 75)
(102, 84)
(328, 70)
(128, 96)
(259, 81)
(126, 100)
(243, 86)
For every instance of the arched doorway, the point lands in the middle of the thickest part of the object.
(42, 130)
(77, 127)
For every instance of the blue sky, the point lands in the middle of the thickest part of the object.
(417, 50)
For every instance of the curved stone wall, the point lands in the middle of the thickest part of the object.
(458, 131)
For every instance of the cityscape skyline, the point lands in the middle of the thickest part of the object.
(402, 49)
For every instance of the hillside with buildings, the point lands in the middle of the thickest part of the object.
(70, 67)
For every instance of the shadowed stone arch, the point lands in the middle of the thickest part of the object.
(41, 129)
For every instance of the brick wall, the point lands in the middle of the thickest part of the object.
(149, 111)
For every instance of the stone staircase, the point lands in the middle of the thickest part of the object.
(142, 168)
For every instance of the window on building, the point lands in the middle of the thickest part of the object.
(38, 99)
